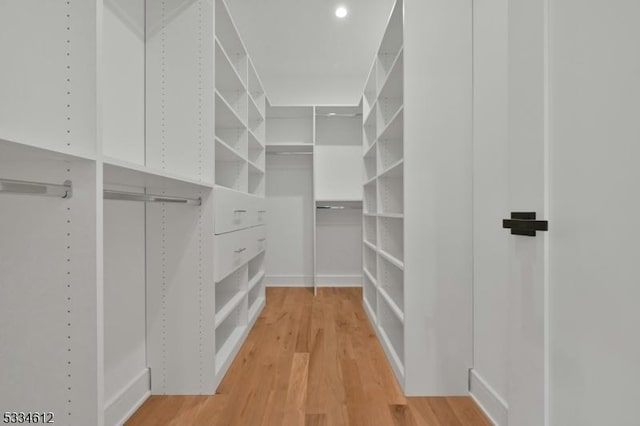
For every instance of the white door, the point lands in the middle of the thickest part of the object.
(574, 159)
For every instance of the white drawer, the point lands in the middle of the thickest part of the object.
(259, 211)
(256, 241)
(234, 249)
(233, 210)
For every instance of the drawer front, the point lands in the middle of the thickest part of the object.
(256, 241)
(233, 210)
(234, 249)
(259, 212)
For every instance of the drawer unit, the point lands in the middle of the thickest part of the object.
(234, 249)
(235, 210)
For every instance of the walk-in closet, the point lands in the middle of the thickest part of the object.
(360, 212)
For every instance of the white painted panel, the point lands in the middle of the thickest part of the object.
(48, 94)
(290, 130)
(438, 197)
(339, 243)
(594, 283)
(490, 205)
(123, 80)
(124, 294)
(339, 171)
(289, 216)
(180, 90)
(49, 290)
(180, 296)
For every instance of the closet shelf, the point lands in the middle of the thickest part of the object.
(391, 352)
(368, 181)
(256, 138)
(256, 106)
(226, 152)
(289, 147)
(395, 262)
(371, 114)
(370, 151)
(119, 172)
(28, 150)
(371, 278)
(387, 78)
(225, 188)
(229, 347)
(230, 63)
(385, 131)
(228, 117)
(255, 308)
(229, 307)
(371, 312)
(371, 214)
(370, 245)
(255, 280)
(395, 170)
(254, 169)
(392, 305)
(391, 215)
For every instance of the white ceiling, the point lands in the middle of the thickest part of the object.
(304, 54)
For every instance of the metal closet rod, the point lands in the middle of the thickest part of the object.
(338, 207)
(290, 153)
(10, 186)
(341, 115)
(149, 198)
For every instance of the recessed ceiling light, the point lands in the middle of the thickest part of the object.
(341, 12)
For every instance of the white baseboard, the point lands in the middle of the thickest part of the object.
(288, 281)
(307, 281)
(339, 280)
(489, 401)
(125, 403)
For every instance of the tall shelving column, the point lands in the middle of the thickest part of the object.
(290, 133)
(383, 219)
(417, 287)
(337, 172)
(240, 212)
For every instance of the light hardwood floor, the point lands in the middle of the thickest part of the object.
(314, 362)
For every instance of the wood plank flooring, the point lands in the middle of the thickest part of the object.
(310, 362)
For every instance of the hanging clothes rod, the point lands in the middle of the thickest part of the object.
(9, 186)
(338, 207)
(149, 198)
(340, 115)
(289, 153)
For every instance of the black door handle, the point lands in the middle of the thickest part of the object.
(525, 223)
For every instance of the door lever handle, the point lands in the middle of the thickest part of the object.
(525, 223)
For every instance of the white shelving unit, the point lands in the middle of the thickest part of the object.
(417, 304)
(240, 181)
(119, 274)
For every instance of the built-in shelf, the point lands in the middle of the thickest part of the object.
(289, 147)
(255, 308)
(392, 305)
(232, 340)
(370, 245)
(229, 307)
(394, 170)
(226, 153)
(119, 172)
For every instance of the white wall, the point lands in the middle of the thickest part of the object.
(289, 198)
(125, 355)
(489, 383)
